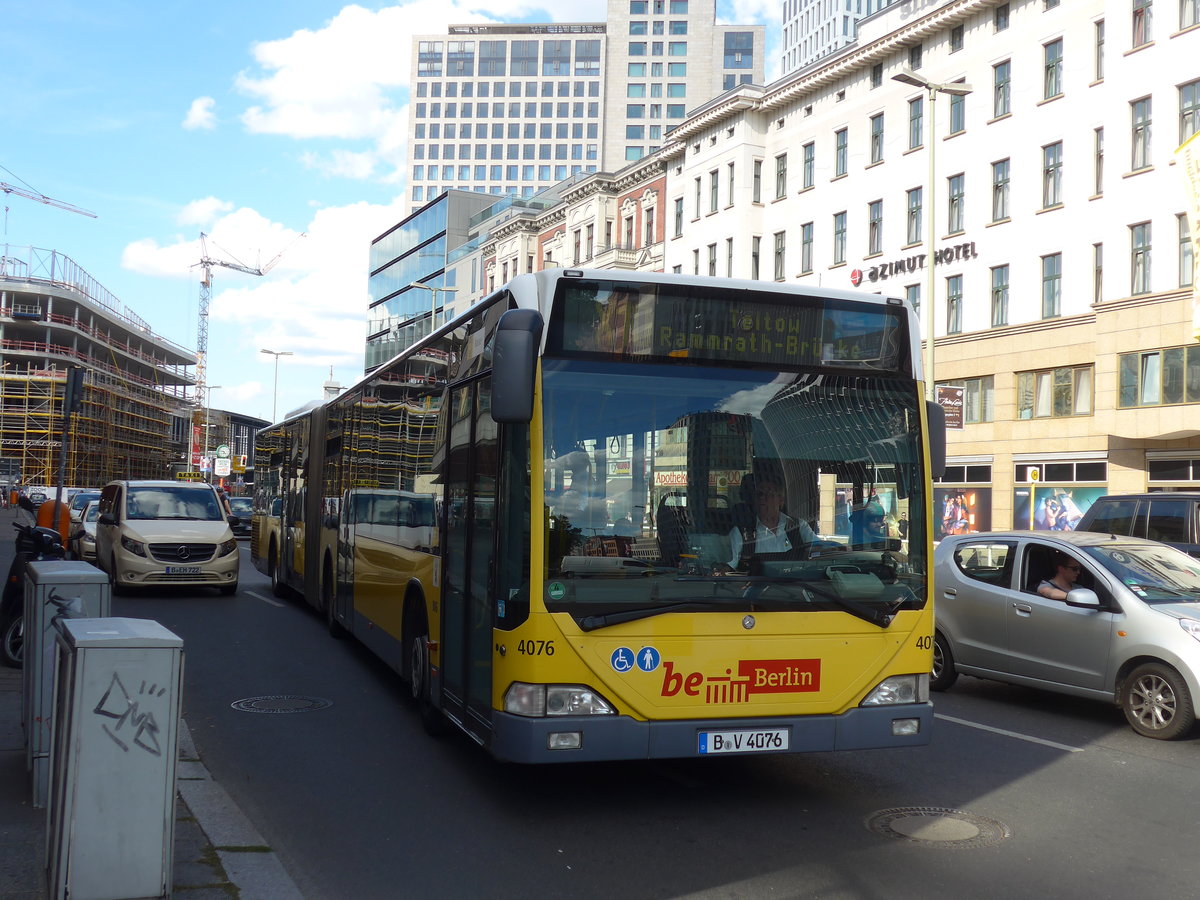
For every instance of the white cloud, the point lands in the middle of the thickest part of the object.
(200, 115)
(203, 212)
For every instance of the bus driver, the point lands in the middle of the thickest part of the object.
(773, 530)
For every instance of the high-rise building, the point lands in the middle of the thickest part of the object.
(513, 109)
(813, 29)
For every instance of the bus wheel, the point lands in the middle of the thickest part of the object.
(336, 629)
(277, 586)
(944, 674)
(420, 681)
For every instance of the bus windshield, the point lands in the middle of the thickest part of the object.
(696, 487)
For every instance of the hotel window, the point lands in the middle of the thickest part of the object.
(1052, 175)
(756, 182)
(1001, 89)
(1097, 272)
(877, 138)
(1000, 17)
(696, 262)
(1186, 259)
(1052, 286)
(1159, 377)
(728, 257)
(1098, 163)
(1189, 13)
(915, 122)
(780, 255)
(806, 248)
(912, 295)
(781, 176)
(912, 230)
(954, 304)
(697, 206)
(957, 199)
(678, 216)
(712, 260)
(839, 238)
(1189, 109)
(914, 57)
(978, 399)
(1140, 134)
(1000, 190)
(956, 38)
(1139, 262)
(648, 227)
(841, 138)
(1055, 393)
(1143, 22)
(958, 113)
(874, 227)
(731, 182)
(713, 190)
(1053, 66)
(755, 246)
(809, 172)
(877, 73)
(999, 296)
(1098, 52)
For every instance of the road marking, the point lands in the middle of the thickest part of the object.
(1012, 734)
(265, 599)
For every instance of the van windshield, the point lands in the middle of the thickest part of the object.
(167, 502)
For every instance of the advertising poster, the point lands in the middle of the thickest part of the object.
(1050, 508)
(961, 511)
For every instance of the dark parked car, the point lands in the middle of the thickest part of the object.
(1128, 632)
(243, 508)
(1172, 517)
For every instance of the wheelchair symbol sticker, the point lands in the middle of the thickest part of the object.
(648, 659)
(622, 659)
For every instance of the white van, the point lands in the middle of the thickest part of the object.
(573, 566)
(165, 532)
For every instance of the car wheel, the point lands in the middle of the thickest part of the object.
(943, 675)
(1156, 702)
(12, 641)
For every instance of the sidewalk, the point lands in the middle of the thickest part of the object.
(218, 853)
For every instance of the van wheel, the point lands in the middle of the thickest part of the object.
(114, 585)
(943, 675)
(1156, 702)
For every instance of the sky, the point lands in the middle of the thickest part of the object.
(275, 128)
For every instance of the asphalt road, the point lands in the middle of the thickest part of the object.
(359, 802)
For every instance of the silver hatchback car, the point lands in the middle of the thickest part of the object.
(1128, 630)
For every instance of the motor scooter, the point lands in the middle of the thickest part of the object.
(34, 542)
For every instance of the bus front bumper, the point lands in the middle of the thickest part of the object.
(528, 740)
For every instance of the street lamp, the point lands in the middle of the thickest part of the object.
(207, 409)
(435, 291)
(275, 396)
(958, 90)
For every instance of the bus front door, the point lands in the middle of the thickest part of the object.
(472, 469)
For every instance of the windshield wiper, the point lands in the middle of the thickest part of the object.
(591, 623)
(881, 613)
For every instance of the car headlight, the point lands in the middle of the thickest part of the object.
(226, 547)
(540, 700)
(88, 538)
(1191, 626)
(135, 547)
(899, 689)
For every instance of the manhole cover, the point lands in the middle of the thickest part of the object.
(281, 703)
(937, 827)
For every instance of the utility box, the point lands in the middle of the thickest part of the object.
(53, 589)
(111, 827)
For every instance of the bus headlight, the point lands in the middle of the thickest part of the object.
(899, 689)
(540, 700)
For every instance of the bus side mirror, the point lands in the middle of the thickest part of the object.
(514, 364)
(937, 438)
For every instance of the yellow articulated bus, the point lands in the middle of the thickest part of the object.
(606, 515)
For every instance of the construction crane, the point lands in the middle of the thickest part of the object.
(40, 198)
(205, 299)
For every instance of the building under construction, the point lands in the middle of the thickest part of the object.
(133, 412)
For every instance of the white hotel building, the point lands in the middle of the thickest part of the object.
(1063, 293)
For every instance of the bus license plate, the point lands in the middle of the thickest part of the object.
(760, 740)
(183, 570)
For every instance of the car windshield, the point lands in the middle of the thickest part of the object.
(170, 502)
(1154, 572)
(677, 476)
(241, 505)
(92, 513)
(79, 501)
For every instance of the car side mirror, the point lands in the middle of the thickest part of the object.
(233, 520)
(1083, 598)
(107, 519)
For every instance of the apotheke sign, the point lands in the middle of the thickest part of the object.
(915, 263)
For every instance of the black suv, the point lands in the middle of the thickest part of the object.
(1170, 517)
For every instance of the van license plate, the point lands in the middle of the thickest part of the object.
(759, 740)
(183, 570)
